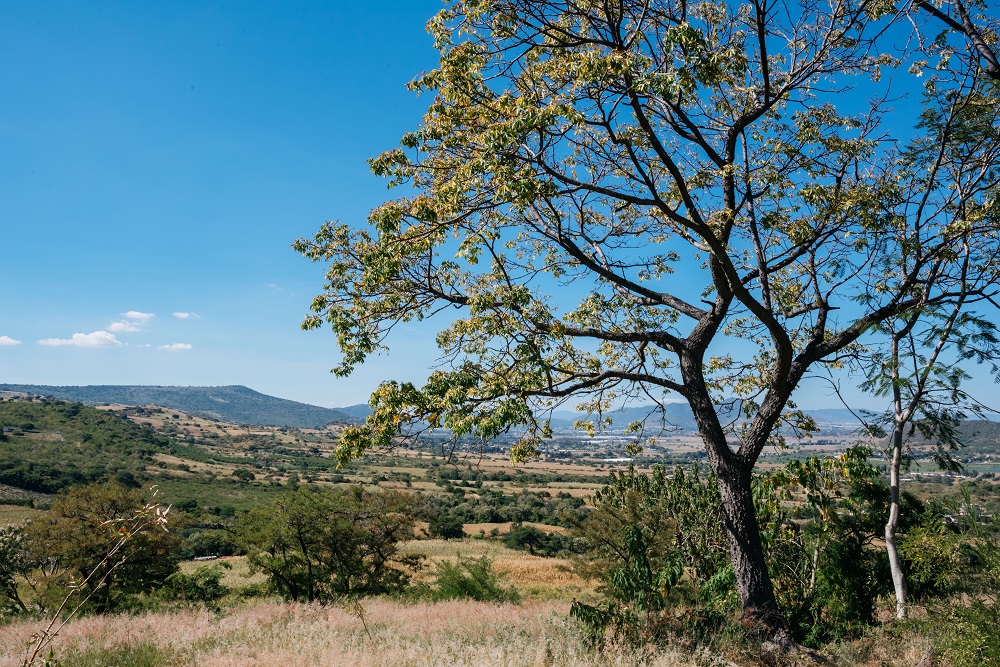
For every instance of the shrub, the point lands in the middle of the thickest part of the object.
(203, 585)
(75, 534)
(468, 578)
(446, 527)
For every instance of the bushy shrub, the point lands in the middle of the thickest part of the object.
(446, 527)
(538, 542)
(204, 585)
(468, 578)
(75, 534)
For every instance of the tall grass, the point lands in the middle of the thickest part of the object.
(456, 634)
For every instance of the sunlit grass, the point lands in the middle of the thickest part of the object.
(15, 515)
(398, 635)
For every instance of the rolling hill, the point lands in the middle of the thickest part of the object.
(236, 404)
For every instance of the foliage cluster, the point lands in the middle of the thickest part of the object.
(466, 579)
(325, 545)
(66, 550)
(656, 543)
(494, 506)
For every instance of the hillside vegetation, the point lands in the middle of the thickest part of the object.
(49, 445)
(236, 404)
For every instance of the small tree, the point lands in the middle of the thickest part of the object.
(72, 541)
(329, 544)
(446, 527)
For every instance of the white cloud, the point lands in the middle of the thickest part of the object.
(95, 339)
(176, 347)
(184, 316)
(7, 340)
(133, 322)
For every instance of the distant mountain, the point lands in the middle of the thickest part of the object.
(236, 404)
(675, 415)
(679, 416)
(356, 412)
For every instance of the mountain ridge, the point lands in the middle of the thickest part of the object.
(231, 403)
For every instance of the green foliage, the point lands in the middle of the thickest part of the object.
(446, 527)
(971, 638)
(204, 585)
(74, 537)
(467, 579)
(675, 513)
(827, 575)
(329, 544)
(644, 532)
(71, 444)
(932, 558)
(539, 542)
(16, 562)
(657, 546)
(494, 506)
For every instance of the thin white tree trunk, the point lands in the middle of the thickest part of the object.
(895, 567)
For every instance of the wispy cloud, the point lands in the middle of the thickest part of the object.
(95, 339)
(7, 340)
(184, 316)
(176, 347)
(133, 322)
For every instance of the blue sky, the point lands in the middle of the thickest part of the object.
(158, 159)
(156, 162)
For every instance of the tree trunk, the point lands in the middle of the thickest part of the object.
(746, 553)
(895, 567)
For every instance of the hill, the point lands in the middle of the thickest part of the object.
(47, 445)
(235, 403)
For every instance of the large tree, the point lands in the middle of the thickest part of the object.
(617, 200)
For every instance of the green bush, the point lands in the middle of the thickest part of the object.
(468, 579)
(446, 527)
(204, 585)
(971, 638)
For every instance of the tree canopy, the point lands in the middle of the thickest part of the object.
(617, 201)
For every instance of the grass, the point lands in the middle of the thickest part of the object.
(15, 515)
(237, 576)
(270, 633)
(534, 577)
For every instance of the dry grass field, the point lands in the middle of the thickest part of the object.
(15, 515)
(391, 634)
(533, 577)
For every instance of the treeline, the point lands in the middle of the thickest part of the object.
(95, 546)
(653, 541)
